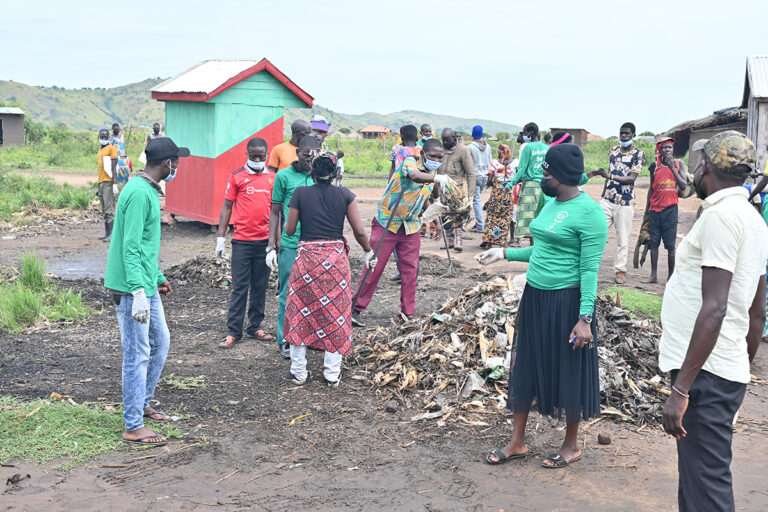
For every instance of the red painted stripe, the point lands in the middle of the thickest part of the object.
(197, 192)
(262, 65)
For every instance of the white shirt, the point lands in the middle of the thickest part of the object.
(730, 235)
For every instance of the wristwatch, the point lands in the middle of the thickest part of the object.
(586, 318)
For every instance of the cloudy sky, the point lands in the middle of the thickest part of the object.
(591, 64)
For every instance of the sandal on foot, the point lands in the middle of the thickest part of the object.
(559, 461)
(261, 335)
(501, 458)
(155, 413)
(143, 440)
(229, 342)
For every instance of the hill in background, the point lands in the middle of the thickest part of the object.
(131, 105)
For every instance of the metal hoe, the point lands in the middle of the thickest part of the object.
(447, 250)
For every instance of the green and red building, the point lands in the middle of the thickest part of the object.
(213, 109)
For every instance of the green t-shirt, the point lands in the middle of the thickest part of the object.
(531, 159)
(286, 181)
(132, 262)
(570, 238)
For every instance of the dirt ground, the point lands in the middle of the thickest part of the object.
(241, 451)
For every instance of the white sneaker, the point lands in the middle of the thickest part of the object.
(294, 380)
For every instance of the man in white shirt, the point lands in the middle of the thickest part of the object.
(713, 315)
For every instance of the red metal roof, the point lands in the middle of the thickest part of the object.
(209, 78)
(372, 128)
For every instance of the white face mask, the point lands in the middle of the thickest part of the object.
(103, 142)
(256, 166)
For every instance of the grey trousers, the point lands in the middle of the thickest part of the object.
(107, 199)
(704, 455)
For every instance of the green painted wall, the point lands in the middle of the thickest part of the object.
(260, 89)
(236, 122)
(190, 124)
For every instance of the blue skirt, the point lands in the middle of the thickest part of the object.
(546, 368)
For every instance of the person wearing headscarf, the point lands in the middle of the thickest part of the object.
(668, 180)
(501, 207)
(319, 302)
(557, 362)
(529, 174)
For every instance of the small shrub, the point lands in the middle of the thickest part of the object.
(20, 307)
(32, 274)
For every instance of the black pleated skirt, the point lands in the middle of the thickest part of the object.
(546, 369)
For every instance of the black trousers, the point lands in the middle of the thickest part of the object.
(249, 271)
(704, 455)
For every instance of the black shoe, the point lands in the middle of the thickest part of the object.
(285, 350)
(293, 380)
(107, 231)
(332, 383)
(396, 277)
(404, 318)
(356, 319)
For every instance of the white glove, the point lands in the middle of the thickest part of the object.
(220, 247)
(272, 259)
(370, 260)
(491, 256)
(115, 190)
(140, 309)
(444, 181)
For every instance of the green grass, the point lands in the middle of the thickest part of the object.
(635, 300)
(19, 194)
(180, 382)
(31, 297)
(41, 431)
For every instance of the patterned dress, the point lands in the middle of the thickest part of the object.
(501, 207)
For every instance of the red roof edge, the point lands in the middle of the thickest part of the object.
(263, 64)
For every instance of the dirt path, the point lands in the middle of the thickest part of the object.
(240, 451)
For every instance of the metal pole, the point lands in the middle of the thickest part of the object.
(378, 247)
(447, 250)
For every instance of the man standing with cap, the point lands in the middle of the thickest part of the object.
(713, 315)
(283, 154)
(134, 280)
(481, 157)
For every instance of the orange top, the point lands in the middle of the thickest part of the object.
(282, 156)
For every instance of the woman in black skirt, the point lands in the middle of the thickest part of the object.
(556, 363)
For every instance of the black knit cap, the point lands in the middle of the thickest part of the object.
(565, 163)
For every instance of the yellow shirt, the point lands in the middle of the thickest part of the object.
(282, 156)
(110, 151)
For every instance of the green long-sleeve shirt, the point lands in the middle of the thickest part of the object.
(530, 163)
(132, 262)
(570, 238)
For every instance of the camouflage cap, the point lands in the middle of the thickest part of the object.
(727, 150)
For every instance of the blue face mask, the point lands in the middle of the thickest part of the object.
(526, 138)
(625, 144)
(425, 138)
(255, 166)
(170, 177)
(431, 165)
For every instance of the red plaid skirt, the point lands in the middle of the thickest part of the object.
(319, 303)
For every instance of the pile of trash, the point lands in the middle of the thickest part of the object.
(452, 206)
(202, 269)
(457, 358)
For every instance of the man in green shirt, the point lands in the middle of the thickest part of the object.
(286, 181)
(134, 279)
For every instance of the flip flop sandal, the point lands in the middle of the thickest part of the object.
(501, 458)
(229, 342)
(261, 335)
(559, 461)
(141, 441)
(155, 413)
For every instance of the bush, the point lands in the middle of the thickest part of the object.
(34, 133)
(20, 307)
(17, 193)
(32, 274)
(502, 136)
(345, 131)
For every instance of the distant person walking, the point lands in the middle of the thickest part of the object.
(481, 158)
(155, 134)
(618, 200)
(529, 174)
(457, 165)
(286, 182)
(713, 314)
(284, 153)
(118, 141)
(501, 209)
(668, 179)
(319, 304)
(107, 181)
(135, 280)
(249, 197)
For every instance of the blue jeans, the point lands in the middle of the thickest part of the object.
(477, 203)
(145, 347)
(285, 259)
